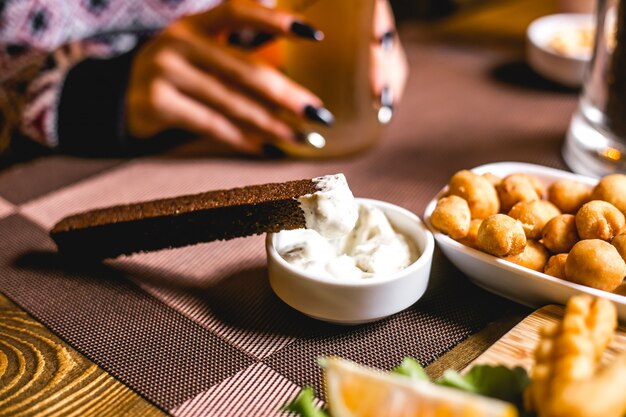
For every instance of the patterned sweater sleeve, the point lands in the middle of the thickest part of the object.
(64, 67)
(71, 98)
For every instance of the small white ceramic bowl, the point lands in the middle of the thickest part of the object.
(517, 283)
(355, 302)
(562, 68)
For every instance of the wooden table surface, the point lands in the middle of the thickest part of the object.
(41, 375)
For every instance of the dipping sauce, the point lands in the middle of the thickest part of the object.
(331, 211)
(371, 248)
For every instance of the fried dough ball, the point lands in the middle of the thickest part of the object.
(534, 215)
(612, 189)
(452, 216)
(599, 220)
(569, 195)
(501, 235)
(559, 235)
(619, 242)
(534, 256)
(518, 187)
(472, 235)
(480, 195)
(493, 179)
(556, 266)
(595, 263)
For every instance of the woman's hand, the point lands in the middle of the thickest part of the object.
(389, 64)
(189, 78)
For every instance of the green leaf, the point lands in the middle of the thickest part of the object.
(492, 381)
(412, 369)
(303, 405)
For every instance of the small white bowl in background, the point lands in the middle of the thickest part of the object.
(356, 301)
(567, 69)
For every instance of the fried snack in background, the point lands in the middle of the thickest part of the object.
(519, 197)
(480, 195)
(599, 220)
(501, 235)
(534, 215)
(619, 242)
(559, 235)
(566, 380)
(595, 263)
(534, 256)
(568, 195)
(612, 188)
(518, 187)
(471, 239)
(556, 266)
(452, 216)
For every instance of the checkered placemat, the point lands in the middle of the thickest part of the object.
(198, 330)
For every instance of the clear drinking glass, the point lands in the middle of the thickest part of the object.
(337, 70)
(596, 139)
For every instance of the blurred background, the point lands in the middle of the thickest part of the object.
(436, 9)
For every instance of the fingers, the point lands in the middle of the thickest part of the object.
(389, 67)
(237, 14)
(164, 108)
(211, 91)
(260, 79)
(193, 116)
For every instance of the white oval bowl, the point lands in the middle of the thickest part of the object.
(517, 283)
(356, 301)
(567, 70)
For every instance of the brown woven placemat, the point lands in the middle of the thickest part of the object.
(197, 330)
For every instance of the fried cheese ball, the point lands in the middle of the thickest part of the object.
(556, 266)
(501, 235)
(534, 215)
(493, 179)
(619, 242)
(480, 195)
(595, 263)
(599, 220)
(569, 195)
(452, 216)
(472, 235)
(612, 189)
(559, 235)
(518, 187)
(534, 256)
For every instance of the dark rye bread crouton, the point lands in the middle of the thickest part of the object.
(181, 221)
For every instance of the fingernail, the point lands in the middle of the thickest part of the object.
(387, 40)
(313, 139)
(272, 151)
(385, 112)
(319, 114)
(306, 31)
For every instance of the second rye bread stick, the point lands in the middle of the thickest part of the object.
(325, 204)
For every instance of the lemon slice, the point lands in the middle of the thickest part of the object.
(356, 391)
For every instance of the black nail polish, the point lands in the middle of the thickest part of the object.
(387, 40)
(385, 112)
(319, 114)
(261, 39)
(306, 31)
(273, 152)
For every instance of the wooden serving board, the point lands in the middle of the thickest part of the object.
(517, 346)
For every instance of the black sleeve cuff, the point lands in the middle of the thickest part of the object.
(91, 107)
